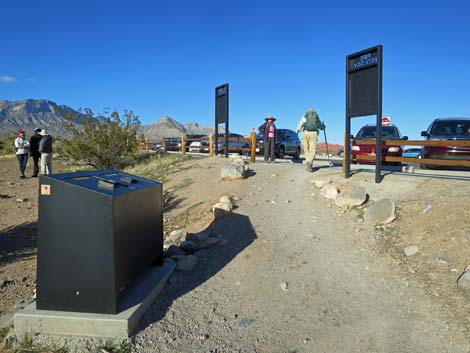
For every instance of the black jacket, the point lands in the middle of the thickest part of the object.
(34, 145)
(45, 145)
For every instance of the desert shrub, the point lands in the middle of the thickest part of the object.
(7, 145)
(103, 142)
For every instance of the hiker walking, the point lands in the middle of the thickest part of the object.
(22, 152)
(45, 148)
(309, 124)
(268, 129)
(34, 151)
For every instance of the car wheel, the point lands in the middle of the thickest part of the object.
(297, 154)
(281, 152)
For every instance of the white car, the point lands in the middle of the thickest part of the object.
(199, 146)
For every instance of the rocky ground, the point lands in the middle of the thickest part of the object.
(292, 272)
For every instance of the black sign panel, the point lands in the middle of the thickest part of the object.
(364, 78)
(221, 104)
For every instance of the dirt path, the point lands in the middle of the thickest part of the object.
(294, 276)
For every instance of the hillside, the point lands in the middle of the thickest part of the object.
(30, 114)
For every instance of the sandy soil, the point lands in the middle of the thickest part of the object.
(295, 274)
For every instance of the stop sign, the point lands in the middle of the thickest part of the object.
(386, 120)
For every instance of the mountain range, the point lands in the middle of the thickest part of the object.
(30, 114)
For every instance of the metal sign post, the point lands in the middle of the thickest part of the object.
(221, 115)
(363, 98)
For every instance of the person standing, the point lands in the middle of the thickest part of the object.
(34, 151)
(268, 129)
(22, 152)
(45, 148)
(309, 124)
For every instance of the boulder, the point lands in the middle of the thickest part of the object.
(320, 182)
(174, 250)
(201, 236)
(329, 191)
(232, 171)
(221, 210)
(188, 246)
(380, 212)
(464, 281)
(351, 196)
(187, 263)
(176, 236)
(225, 199)
(209, 242)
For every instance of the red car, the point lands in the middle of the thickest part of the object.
(452, 129)
(368, 132)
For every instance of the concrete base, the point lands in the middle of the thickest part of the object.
(134, 302)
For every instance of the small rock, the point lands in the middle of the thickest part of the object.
(187, 263)
(233, 170)
(287, 201)
(3, 282)
(236, 198)
(443, 259)
(428, 209)
(284, 286)
(411, 250)
(244, 323)
(273, 202)
(380, 212)
(329, 191)
(201, 253)
(189, 246)
(209, 242)
(21, 200)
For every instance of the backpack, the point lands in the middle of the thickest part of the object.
(313, 122)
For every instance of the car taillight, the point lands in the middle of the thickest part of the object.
(393, 149)
(355, 148)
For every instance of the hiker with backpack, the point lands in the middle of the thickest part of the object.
(310, 124)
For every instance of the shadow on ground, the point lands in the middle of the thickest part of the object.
(18, 242)
(237, 234)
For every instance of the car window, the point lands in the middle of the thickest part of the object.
(369, 132)
(452, 128)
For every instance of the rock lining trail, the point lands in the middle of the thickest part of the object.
(293, 273)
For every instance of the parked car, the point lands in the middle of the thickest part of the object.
(368, 132)
(452, 129)
(199, 146)
(234, 146)
(412, 152)
(287, 143)
(173, 144)
(156, 146)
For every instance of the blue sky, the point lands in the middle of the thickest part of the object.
(164, 58)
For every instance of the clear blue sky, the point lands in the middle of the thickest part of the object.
(164, 58)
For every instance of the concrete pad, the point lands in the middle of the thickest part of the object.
(133, 303)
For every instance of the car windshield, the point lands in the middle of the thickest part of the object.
(388, 132)
(454, 128)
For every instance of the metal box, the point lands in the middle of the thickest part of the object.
(97, 231)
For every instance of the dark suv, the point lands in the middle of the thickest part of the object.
(287, 143)
(447, 129)
(368, 132)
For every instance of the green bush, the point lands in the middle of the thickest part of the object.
(7, 145)
(102, 142)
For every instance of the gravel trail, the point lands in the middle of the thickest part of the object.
(292, 275)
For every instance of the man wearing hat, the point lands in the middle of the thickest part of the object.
(309, 124)
(268, 129)
(45, 148)
(34, 151)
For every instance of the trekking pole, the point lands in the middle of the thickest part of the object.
(330, 163)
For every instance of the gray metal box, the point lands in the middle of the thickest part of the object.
(97, 231)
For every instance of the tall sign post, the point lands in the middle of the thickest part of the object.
(221, 115)
(363, 98)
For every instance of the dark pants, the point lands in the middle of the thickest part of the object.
(269, 148)
(23, 161)
(36, 158)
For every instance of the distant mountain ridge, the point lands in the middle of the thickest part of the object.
(29, 114)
